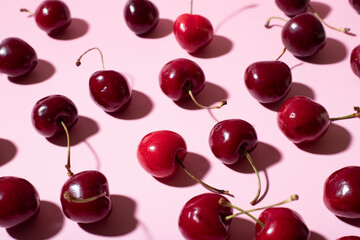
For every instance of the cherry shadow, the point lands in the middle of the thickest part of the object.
(337, 139)
(297, 89)
(196, 164)
(241, 228)
(320, 8)
(218, 47)
(139, 107)
(316, 236)
(46, 225)
(119, 222)
(162, 29)
(83, 129)
(43, 71)
(8, 151)
(352, 222)
(334, 51)
(263, 156)
(211, 95)
(76, 29)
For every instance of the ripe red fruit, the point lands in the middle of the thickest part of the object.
(349, 238)
(355, 4)
(292, 8)
(355, 60)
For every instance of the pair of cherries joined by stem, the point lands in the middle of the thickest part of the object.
(303, 120)
(109, 89)
(85, 195)
(209, 216)
(52, 16)
(182, 78)
(192, 31)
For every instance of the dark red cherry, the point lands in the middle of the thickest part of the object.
(50, 112)
(85, 197)
(19, 201)
(342, 192)
(355, 60)
(109, 89)
(303, 35)
(355, 4)
(302, 120)
(52, 16)
(281, 223)
(17, 57)
(292, 8)
(202, 217)
(268, 81)
(193, 31)
(141, 16)
(349, 238)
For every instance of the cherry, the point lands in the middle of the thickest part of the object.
(52, 16)
(193, 31)
(19, 201)
(160, 153)
(349, 238)
(303, 120)
(281, 223)
(292, 8)
(355, 60)
(202, 217)
(233, 139)
(109, 89)
(355, 4)
(182, 78)
(141, 16)
(342, 192)
(17, 57)
(50, 112)
(268, 81)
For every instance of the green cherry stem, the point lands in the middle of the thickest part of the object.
(191, 7)
(353, 115)
(68, 165)
(212, 189)
(267, 23)
(28, 11)
(284, 50)
(227, 204)
(78, 62)
(71, 198)
(254, 201)
(344, 30)
(222, 102)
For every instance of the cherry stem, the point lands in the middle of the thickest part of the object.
(227, 204)
(344, 30)
(191, 7)
(267, 24)
(212, 189)
(71, 198)
(78, 63)
(353, 115)
(222, 102)
(67, 166)
(292, 198)
(254, 201)
(284, 50)
(25, 10)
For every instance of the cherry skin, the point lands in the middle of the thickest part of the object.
(292, 8)
(141, 16)
(349, 238)
(19, 201)
(85, 197)
(302, 120)
(17, 57)
(157, 152)
(281, 223)
(229, 139)
(48, 113)
(355, 4)
(268, 81)
(180, 75)
(355, 60)
(52, 16)
(202, 217)
(342, 192)
(303, 35)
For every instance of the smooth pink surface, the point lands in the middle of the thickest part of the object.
(144, 207)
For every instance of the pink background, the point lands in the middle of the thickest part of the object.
(145, 208)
